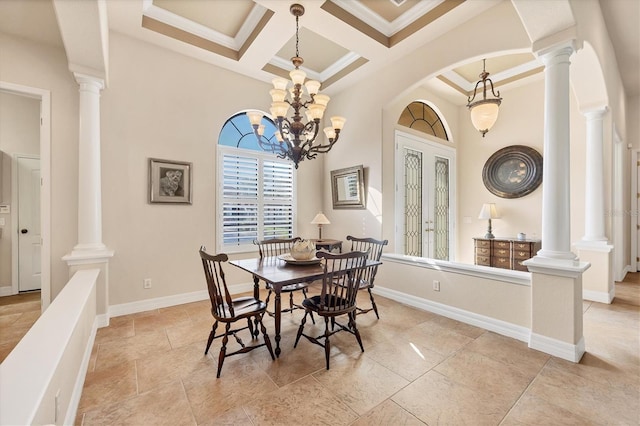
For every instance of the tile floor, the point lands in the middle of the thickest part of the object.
(417, 368)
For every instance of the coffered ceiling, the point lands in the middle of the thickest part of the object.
(340, 40)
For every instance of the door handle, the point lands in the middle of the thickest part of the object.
(23, 231)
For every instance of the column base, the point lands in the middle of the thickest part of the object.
(556, 255)
(555, 266)
(77, 257)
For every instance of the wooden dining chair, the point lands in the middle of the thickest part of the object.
(375, 252)
(228, 311)
(342, 273)
(277, 247)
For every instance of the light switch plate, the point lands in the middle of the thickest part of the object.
(1, 221)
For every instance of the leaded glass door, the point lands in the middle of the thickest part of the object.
(424, 197)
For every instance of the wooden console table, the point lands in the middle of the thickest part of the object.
(328, 245)
(506, 253)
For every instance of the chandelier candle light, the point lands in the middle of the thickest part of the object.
(320, 220)
(484, 112)
(296, 140)
(489, 211)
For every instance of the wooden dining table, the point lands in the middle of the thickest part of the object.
(279, 273)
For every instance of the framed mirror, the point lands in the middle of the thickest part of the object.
(347, 188)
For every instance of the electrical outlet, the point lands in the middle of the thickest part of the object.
(436, 285)
(146, 283)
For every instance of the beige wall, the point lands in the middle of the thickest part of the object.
(45, 67)
(163, 105)
(490, 297)
(519, 123)
(19, 134)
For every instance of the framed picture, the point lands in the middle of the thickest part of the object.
(513, 172)
(347, 188)
(169, 181)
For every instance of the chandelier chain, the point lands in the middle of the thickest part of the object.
(297, 38)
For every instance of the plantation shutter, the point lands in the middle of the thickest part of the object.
(278, 199)
(240, 206)
(257, 199)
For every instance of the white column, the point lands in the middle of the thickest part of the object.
(594, 177)
(90, 252)
(556, 235)
(89, 183)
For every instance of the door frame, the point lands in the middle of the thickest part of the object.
(635, 213)
(45, 190)
(399, 205)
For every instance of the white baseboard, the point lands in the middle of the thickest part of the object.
(102, 320)
(498, 326)
(599, 296)
(558, 348)
(6, 290)
(72, 409)
(165, 302)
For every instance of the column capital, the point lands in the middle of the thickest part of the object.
(594, 111)
(556, 53)
(89, 80)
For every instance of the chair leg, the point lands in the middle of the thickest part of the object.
(291, 302)
(327, 343)
(255, 335)
(301, 328)
(223, 349)
(267, 341)
(352, 325)
(304, 293)
(268, 297)
(373, 303)
(251, 327)
(212, 335)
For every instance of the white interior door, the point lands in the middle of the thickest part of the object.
(29, 238)
(424, 197)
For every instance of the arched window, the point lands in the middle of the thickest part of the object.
(255, 190)
(421, 117)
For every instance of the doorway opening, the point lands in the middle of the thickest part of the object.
(42, 256)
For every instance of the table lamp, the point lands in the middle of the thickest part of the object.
(320, 220)
(489, 211)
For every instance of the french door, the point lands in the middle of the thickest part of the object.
(425, 181)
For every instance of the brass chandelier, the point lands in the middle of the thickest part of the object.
(484, 112)
(295, 139)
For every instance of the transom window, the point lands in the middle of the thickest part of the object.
(256, 195)
(420, 116)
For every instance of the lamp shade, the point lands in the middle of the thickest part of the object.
(484, 114)
(320, 219)
(489, 211)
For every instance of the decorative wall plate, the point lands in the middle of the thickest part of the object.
(513, 172)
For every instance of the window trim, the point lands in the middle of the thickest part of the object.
(261, 156)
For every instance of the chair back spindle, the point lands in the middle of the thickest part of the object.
(375, 248)
(216, 284)
(275, 246)
(340, 284)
